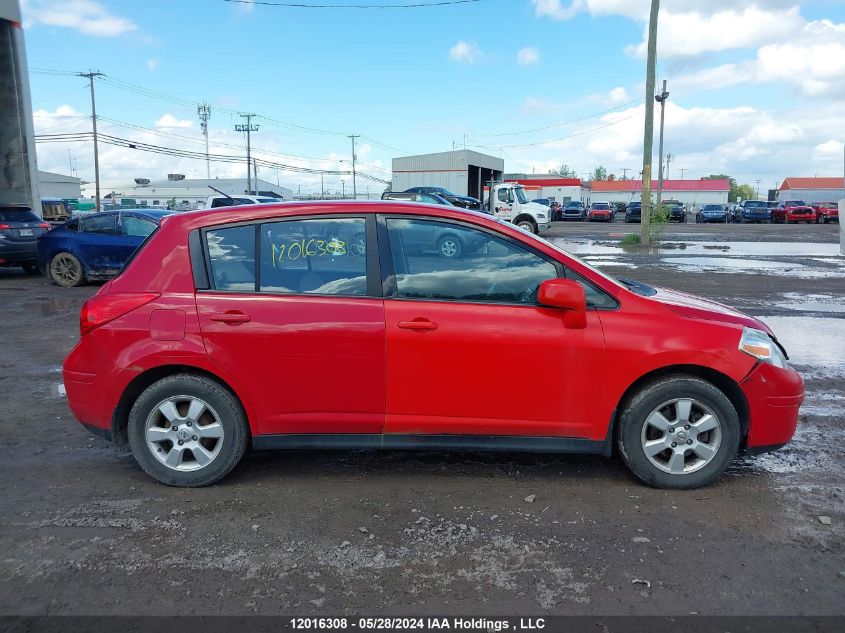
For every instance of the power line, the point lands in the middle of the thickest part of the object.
(562, 138)
(565, 123)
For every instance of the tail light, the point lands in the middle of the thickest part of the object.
(101, 309)
(5, 227)
(43, 225)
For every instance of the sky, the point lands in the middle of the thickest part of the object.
(757, 88)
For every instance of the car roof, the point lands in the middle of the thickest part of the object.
(255, 212)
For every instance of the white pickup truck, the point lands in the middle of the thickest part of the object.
(511, 204)
(214, 202)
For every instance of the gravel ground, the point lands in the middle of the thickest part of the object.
(84, 531)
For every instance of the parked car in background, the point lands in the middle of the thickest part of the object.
(619, 207)
(467, 202)
(676, 210)
(574, 210)
(95, 247)
(752, 211)
(600, 212)
(792, 212)
(826, 212)
(20, 229)
(214, 202)
(554, 207)
(412, 196)
(634, 212)
(174, 354)
(712, 213)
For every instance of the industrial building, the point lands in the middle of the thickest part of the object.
(692, 193)
(180, 191)
(555, 188)
(463, 172)
(52, 185)
(812, 189)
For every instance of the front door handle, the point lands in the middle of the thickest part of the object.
(232, 317)
(420, 324)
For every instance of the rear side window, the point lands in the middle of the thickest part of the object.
(231, 253)
(320, 256)
(101, 224)
(137, 227)
(18, 215)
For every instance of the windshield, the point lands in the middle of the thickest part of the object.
(520, 195)
(712, 207)
(756, 203)
(601, 205)
(573, 205)
(795, 203)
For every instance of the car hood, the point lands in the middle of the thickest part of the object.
(464, 198)
(695, 307)
(534, 208)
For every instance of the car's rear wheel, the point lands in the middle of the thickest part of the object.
(66, 270)
(678, 432)
(30, 269)
(187, 430)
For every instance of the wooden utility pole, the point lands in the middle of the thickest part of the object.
(648, 135)
(91, 75)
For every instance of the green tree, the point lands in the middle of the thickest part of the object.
(746, 192)
(599, 173)
(565, 171)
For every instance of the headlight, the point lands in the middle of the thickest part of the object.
(758, 344)
(542, 216)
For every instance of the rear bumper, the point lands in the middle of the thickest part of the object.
(17, 253)
(774, 397)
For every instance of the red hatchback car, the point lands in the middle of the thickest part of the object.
(339, 325)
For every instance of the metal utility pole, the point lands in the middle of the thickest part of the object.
(625, 171)
(669, 159)
(90, 75)
(354, 183)
(322, 187)
(247, 127)
(255, 174)
(757, 193)
(204, 112)
(343, 184)
(682, 170)
(661, 99)
(648, 132)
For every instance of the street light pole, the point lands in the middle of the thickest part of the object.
(648, 132)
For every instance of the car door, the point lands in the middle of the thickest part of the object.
(469, 350)
(294, 312)
(99, 244)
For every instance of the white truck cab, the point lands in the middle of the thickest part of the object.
(214, 202)
(511, 204)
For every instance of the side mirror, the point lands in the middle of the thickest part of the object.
(567, 295)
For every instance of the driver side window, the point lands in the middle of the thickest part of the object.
(453, 262)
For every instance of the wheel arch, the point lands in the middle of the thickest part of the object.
(723, 382)
(120, 417)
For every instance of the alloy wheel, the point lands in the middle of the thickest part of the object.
(681, 436)
(184, 433)
(65, 269)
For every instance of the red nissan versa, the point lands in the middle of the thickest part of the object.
(343, 325)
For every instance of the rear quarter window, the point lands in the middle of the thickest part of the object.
(231, 255)
(18, 215)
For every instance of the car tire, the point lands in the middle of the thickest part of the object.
(652, 419)
(173, 402)
(66, 270)
(528, 225)
(30, 269)
(449, 247)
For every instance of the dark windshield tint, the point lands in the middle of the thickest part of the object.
(18, 215)
(795, 203)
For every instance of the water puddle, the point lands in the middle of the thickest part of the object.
(735, 264)
(814, 341)
(813, 302)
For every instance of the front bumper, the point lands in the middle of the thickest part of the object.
(544, 226)
(774, 396)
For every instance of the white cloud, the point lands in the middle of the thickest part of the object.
(618, 95)
(528, 56)
(465, 52)
(86, 16)
(152, 65)
(170, 121)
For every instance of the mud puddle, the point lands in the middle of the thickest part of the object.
(742, 249)
(811, 341)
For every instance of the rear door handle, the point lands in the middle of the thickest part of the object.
(232, 317)
(420, 324)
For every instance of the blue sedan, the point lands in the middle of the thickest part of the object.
(95, 247)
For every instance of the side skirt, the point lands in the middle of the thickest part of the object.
(376, 441)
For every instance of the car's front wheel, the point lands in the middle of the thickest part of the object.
(187, 430)
(678, 432)
(527, 225)
(66, 270)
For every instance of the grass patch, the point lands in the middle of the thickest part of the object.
(630, 240)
